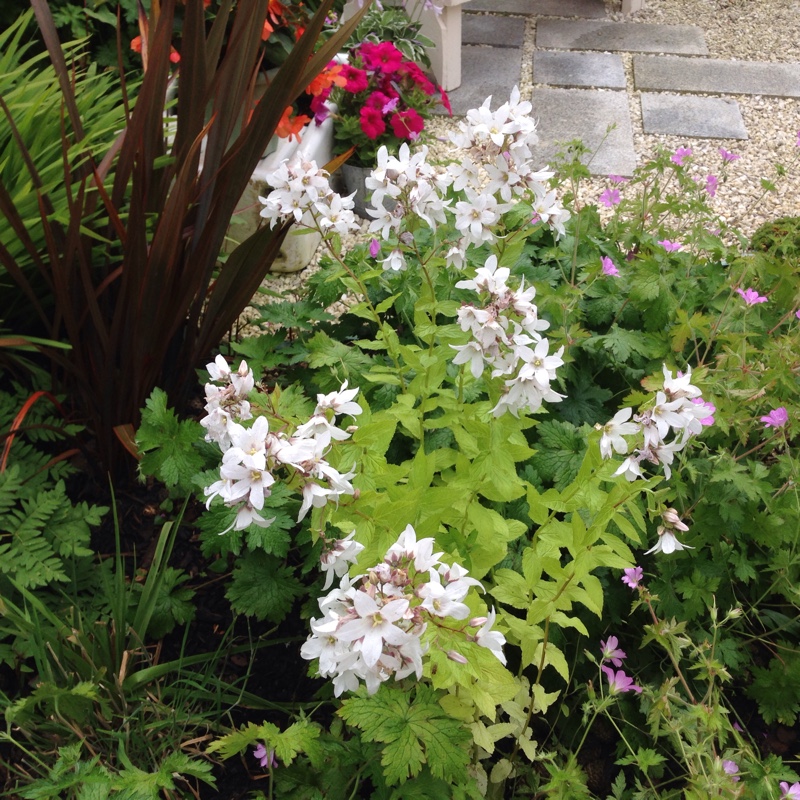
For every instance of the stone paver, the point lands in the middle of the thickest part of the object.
(590, 9)
(716, 76)
(556, 34)
(486, 71)
(602, 70)
(495, 31)
(566, 114)
(681, 115)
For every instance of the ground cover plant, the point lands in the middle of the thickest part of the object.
(521, 522)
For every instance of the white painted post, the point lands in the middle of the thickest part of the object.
(629, 6)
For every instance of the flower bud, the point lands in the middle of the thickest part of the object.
(672, 519)
(476, 622)
(457, 657)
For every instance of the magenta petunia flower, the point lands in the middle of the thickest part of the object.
(608, 267)
(633, 576)
(751, 296)
(407, 124)
(371, 122)
(381, 56)
(776, 418)
(680, 154)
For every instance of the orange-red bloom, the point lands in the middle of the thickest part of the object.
(291, 126)
(330, 76)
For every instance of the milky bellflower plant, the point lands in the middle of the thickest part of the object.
(675, 412)
(381, 624)
(506, 338)
(251, 456)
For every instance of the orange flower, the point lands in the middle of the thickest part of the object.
(266, 31)
(291, 126)
(330, 76)
(174, 55)
(136, 44)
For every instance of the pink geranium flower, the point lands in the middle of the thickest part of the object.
(711, 185)
(610, 198)
(776, 418)
(669, 246)
(751, 296)
(611, 652)
(710, 407)
(727, 156)
(372, 122)
(633, 576)
(608, 267)
(619, 682)
(680, 154)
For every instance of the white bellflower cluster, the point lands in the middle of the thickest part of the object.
(251, 456)
(679, 410)
(506, 338)
(372, 625)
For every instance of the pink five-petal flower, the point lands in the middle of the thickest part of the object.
(711, 185)
(797, 313)
(709, 406)
(374, 247)
(608, 267)
(265, 756)
(610, 197)
(776, 418)
(611, 652)
(790, 792)
(619, 682)
(617, 179)
(633, 576)
(727, 156)
(751, 296)
(669, 246)
(680, 154)
(731, 768)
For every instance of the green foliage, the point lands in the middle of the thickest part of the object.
(776, 689)
(263, 587)
(413, 734)
(170, 446)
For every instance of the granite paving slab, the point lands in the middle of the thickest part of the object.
(589, 9)
(701, 117)
(602, 70)
(556, 34)
(495, 31)
(566, 114)
(486, 71)
(716, 76)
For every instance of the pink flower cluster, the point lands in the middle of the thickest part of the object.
(505, 337)
(618, 681)
(372, 625)
(679, 409)
(382, 81)
(251, 456)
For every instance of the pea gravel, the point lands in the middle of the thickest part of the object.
(746, 30)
